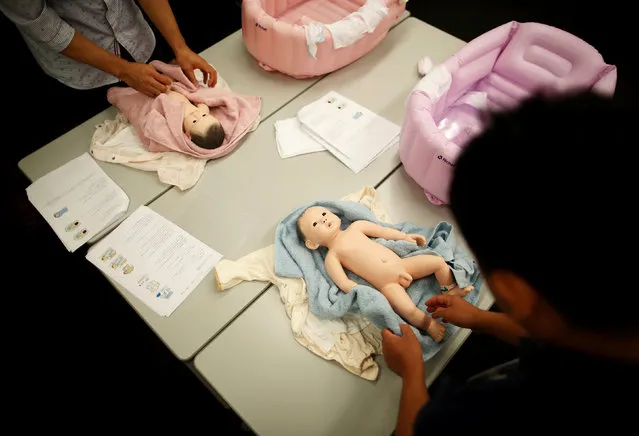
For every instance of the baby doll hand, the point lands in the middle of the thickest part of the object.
(349, 287)
(418, 239)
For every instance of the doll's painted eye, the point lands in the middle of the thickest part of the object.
(194, 121)
(323, 213)
(203, 115)
(314, 224)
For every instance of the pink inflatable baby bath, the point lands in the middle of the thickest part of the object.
(493, 72)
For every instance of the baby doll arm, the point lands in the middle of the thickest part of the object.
(336, 273)
(373, 230)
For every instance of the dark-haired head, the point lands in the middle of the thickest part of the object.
(211, 138)
(542, 198)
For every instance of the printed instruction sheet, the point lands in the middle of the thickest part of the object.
(354, 134)
(78, 200)
(154, 259)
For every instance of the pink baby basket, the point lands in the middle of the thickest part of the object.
(495, 71)
(295, 37)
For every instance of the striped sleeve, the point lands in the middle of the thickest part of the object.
(39, 22)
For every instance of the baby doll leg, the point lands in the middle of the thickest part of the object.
(427, 264)
(404, 307)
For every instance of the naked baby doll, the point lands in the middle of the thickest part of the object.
(380, 266)
(199, 125)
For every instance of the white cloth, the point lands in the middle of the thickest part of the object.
(292, 140)
(314, 35)
(424, 66)
(116, 141)
(352, 341)
(354, 26)
(435, 83)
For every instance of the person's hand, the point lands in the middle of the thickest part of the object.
(190, 61)
(417, 239)
(144, 78)
(403, 354)
(453, 309)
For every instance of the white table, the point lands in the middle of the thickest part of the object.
(279, 388)
(235, 65)
(240, 199)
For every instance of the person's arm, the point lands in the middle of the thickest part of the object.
(457, 311)
(86, 51)
(499, 325)
(336, 273)
(161, 14)
(41, 23)
(142, 77)
(403, 355)
(414, 396)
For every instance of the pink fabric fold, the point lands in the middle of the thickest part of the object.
(158, 121)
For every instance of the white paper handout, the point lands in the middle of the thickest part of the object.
(354, 134)
(78, 200)
(154, 259)
(292, 140)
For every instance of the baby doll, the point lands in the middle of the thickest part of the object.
(380, 266)
(199, 125)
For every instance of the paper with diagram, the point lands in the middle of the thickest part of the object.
(78, 200)
(352, 133)
(154, 259)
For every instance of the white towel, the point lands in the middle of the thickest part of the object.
(354, 26)
(314, 35)
(292, 140)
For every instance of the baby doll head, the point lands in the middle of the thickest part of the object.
(317, 226)
(204, 129)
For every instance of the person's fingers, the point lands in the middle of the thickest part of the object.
(165, 80)
(438, 300)
(209, 73)
(440, 312)
(406, 330)
(191, 75)
(389, 339)
(387, 333)
(159, 87)
(150, 90)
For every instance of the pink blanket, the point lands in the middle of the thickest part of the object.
(158, 121)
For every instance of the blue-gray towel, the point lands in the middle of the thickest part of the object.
(326, 300)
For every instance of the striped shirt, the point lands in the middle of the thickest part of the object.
(48, 28)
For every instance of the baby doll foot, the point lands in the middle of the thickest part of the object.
(435, 329)
(460, 292)
(456, 291)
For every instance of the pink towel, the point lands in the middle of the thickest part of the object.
(158, 121)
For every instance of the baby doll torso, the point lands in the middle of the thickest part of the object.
(365, 257)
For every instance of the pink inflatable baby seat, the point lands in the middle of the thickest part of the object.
(495, 71)
(295, 37)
